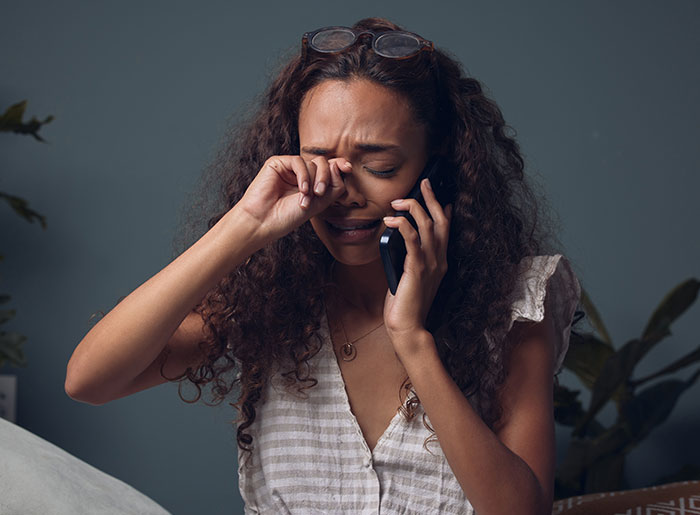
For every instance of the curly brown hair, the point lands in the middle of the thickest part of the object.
(269, 309)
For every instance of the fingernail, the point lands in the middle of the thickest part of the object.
(320, 188)
(347, 165)
(397, 201)
(305, 201)
(388, 218)
(427, 183)
(305, 187)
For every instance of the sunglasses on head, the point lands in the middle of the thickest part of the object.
(393, 44)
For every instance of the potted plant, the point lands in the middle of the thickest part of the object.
(11, 342)
(595, 459)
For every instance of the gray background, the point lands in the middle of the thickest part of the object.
(602, 95)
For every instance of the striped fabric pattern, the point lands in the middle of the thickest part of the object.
(310, 456)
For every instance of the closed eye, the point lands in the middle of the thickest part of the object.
(381, 173)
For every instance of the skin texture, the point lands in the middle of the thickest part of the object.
(336, 117)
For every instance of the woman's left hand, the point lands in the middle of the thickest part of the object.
(425, 265)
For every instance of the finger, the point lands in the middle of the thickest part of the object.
(296, 166)
(337, 183)
(411, 240)
(283, 169)
(344, 167)
(304, 173)
(424, 222)
(323, 175)
(434, 208)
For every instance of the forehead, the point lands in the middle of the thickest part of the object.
(360, 109)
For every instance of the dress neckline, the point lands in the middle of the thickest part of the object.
(342, 390)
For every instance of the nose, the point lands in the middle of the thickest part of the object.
(352, 196)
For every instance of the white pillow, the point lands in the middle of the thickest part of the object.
(39, 478)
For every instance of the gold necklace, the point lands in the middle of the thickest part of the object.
(348, 350)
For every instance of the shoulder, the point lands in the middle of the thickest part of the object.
(544, 300)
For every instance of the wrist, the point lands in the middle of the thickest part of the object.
(412, 344)
(240, 221)
(241, 232)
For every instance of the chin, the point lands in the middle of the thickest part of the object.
(355, 261)
(353, 256)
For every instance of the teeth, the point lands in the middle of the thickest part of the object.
(366, 226)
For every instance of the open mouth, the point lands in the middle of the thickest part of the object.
(339, 227)
(352, 231)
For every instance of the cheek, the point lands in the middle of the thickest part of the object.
(398, 190)
(382, 191)
(318, 226)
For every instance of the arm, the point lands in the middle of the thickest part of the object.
(511, 471)
(123, 352)
(135, 332)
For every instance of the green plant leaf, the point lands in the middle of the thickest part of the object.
(595, 318)
(13, 115)
(21, 207)
(586, 357)
(7, 314)
(11, 349)
(11, 121)
(683, 362)
(671, 307)
(615, 373)
(651, 407)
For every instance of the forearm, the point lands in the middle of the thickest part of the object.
(493, 478)
(128, 338)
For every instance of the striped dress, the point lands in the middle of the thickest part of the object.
(310, 456)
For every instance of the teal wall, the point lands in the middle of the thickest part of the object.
(603, 96)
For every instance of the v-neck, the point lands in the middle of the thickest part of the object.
(342, 388)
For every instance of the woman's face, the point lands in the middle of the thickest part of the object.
(374, 129)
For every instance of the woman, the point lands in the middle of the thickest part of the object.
(291, 269)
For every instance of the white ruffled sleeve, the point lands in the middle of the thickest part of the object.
(547, 281)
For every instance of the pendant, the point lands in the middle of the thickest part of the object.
(348, 351)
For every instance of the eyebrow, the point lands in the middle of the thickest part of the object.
(365, 147)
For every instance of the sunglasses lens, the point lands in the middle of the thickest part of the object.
(397, 45)
(332, 40)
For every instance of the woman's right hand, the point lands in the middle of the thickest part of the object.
(288, 190)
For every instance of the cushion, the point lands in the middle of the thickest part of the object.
(39, 478)
(674, 498)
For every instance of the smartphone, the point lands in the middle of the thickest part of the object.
(391, 244)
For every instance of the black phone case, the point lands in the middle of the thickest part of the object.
(391, 244)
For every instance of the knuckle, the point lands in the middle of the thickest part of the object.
(412, 204)
(299, 161)
(276, 164)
